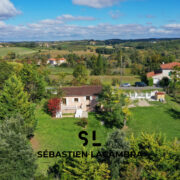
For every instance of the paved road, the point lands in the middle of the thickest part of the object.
(141, 88)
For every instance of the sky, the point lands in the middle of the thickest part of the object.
(56, 20)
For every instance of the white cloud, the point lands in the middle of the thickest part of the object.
(96, 3)
(55, 29)
(68, 17)
(115, 14)
(7, 9)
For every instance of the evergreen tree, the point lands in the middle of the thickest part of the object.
(80, 168)
(14, 101)
(6, 70)
(115, 143)
(160, 159)
(99, 68)
(16, 155)
(34, 83)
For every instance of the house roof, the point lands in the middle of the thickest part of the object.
(82, 90)
(160, 93)
(53, 59)
(151, 74)
(170, 65)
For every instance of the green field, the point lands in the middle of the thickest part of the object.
(164, 118)
(62, 134)
(18, 50)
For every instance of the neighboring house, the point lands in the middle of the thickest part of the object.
(165, 71)
(79, 100)
(56, 62)
(151, 96)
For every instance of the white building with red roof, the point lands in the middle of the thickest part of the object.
(166, 70)
(56, 62)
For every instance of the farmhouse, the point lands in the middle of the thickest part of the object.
(165, 71)
(79, 100)
(56, 62)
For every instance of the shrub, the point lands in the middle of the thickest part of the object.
(150, 81)
(95, 82)
(54, 106)
(83, 122)
(115, 81)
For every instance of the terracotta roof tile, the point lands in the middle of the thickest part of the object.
(170, 65)
(151, 74)
(82, 90)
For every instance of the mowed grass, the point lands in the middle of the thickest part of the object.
(159, 118)
(62, 135)
(18, 50)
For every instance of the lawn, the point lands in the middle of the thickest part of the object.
(18, 50)
(62, 135)
(164, 118)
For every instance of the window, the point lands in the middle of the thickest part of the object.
(88, 98)
(64, 100)
(88, 105)
(76, 100)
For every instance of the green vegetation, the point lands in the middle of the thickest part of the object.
(18, 50)
(16, 154)
(58, 135)
(160, 117)
(14, 101)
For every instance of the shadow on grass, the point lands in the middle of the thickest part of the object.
(174, 113)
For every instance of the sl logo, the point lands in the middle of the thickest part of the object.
(84, 133)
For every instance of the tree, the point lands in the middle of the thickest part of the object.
(34, 83)
(174, 85)
(80, 74)
(11, 55)
(159, 158)
(13, 101)
(110, 107)
(84, 168)
(16, 155)
(116, 142)
(164, 82)
(99, 67)
(6, 71)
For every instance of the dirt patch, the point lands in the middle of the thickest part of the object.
(35, 143)
(143, 103)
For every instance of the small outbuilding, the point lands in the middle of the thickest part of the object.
(160, 96)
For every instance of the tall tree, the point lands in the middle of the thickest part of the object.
(110, 107)
(5, 71)
(34, 82)
(99, 67)
(116, 143)
(80, 75)
(16, 155)
(13, 101)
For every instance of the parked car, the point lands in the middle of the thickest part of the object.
(125, 85)
(140, 84)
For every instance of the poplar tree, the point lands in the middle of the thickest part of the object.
(14, 101)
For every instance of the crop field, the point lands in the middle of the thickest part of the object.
(18, 50)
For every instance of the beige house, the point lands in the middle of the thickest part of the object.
(79, 100)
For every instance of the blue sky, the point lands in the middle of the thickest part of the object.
(88, 19)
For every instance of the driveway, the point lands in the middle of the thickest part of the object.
(141, 88)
